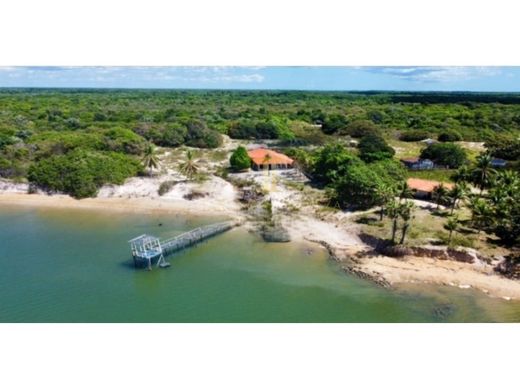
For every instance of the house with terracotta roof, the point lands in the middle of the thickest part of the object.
(269, 159)
(424, 188)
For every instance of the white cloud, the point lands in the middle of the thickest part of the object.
(436, 74)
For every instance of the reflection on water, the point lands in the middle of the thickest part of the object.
(74, 266)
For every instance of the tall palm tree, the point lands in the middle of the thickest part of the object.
(483, 170)
(392, 210)
(404, 191)
(266, 161)
(150, 158)
(480, 212)
(189, 168)
(462, 174)
(458, 193)
(385, 193)
(405, 212)
(451, 225)
(439, 194)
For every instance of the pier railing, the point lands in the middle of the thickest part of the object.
(195, 236)
(147, 248)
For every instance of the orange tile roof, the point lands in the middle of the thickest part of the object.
(266, 156)
(425, 185)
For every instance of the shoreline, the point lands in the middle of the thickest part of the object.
(339, 238)
(125, 205)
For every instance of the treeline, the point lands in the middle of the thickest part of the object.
(38, 125)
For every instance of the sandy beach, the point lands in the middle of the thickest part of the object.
(139, 195)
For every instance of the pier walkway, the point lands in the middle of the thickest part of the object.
(146, 249)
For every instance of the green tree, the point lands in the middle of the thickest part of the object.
(480, 213)
(373, 147)
(392, 210)
(405, 213)
(440, 194)
(459, 192)
(385, 194)
(446, 154)
(357, 186)
(449, 136)
(462, 174)
(404, 191)
(360, 128)
(240, 160)
(150, 159)
(451, 225)
(189, 168)
(331, 162)
(334, 123)
(483, 170)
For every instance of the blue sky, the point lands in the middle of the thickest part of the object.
(406, 78)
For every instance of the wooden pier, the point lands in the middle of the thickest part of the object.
(147, 249)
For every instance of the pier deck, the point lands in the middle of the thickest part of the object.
(147, 249)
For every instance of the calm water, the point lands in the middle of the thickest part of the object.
(74, 266)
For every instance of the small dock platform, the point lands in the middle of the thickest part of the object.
(147, 249)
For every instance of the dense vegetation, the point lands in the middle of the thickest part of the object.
(38, 128)
(350, 181)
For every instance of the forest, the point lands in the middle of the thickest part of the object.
(59, 139)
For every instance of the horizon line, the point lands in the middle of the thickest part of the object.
(263, 90)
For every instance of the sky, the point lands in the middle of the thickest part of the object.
(402, 78)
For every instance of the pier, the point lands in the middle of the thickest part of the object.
(147, 249)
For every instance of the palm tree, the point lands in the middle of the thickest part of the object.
(451, 225)
(404, 191)
(506, 178)
(480, 212)
(405, 212)
(392, 210)
(385, 193)
(150, 159)
(189, 168)
(265, 161)
(483, 170)
(458, 193)
(462, 174)
(439, 194)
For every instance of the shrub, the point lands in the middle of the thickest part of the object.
(81, 173)
(414, 136)
(373, 147)
(360, 128)
(505, 147)
(334, 123)
(449, 136)
(240, 160)
(447, 154)
(199, 136)
(124, 141)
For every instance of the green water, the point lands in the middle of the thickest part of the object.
(74, 266)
